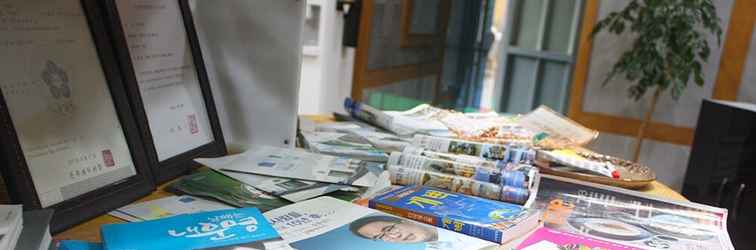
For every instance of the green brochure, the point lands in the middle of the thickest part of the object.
(209, 183)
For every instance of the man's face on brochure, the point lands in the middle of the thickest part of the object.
(403, 232)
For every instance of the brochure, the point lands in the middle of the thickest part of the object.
(288, 189)
(244, 228)
(343, 145)
(212, 184)
(495, 152)
(328, 223)
(630, 218)
(550, 239)
(78, 245)
(166, 207)
(301, 165)
(486, 219)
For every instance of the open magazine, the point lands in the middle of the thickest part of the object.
(328, 223)
(630, 218)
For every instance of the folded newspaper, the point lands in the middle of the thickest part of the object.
(630, 218)
(422, 119)
(328, 223)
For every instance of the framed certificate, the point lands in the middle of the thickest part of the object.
(167, 83)
(68, 138)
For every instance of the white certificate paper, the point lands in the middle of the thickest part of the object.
(59, 100)
(166, 74)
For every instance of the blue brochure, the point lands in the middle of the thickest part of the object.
(218, 229)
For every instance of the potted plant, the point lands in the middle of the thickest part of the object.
(668, 49)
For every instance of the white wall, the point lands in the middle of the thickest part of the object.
(253, 67)
(327, 76)
(670, 161)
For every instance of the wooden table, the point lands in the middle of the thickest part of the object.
(90, 230)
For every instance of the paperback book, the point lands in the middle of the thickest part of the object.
(550, 239)
(486, 219)
(630, 218)
(328, 223)
(226, 229)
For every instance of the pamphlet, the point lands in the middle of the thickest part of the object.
(212, 184)
(243, 228)
(630, 218)
(301, 165)
(291, 190)
(328, 223)
(166, 207)
(344, 145)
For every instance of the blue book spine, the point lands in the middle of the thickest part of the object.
(477, 217)
(195, 231)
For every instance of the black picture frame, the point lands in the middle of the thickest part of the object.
(15, 170)
(183, 163)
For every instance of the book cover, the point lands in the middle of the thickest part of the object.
(224, 229)
(326, 223)
(630, 218)
(482, 218)
(550, 239)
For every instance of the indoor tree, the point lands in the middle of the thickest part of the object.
(668, 49)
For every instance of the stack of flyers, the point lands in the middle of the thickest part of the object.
(166, 207)
(343, 144)
(212, 184)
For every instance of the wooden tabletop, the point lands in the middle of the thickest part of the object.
(90, 230)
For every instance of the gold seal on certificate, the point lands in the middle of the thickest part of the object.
(69, 140)
(169, 88)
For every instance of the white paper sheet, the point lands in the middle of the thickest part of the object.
(59, 100)
(167, 76)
